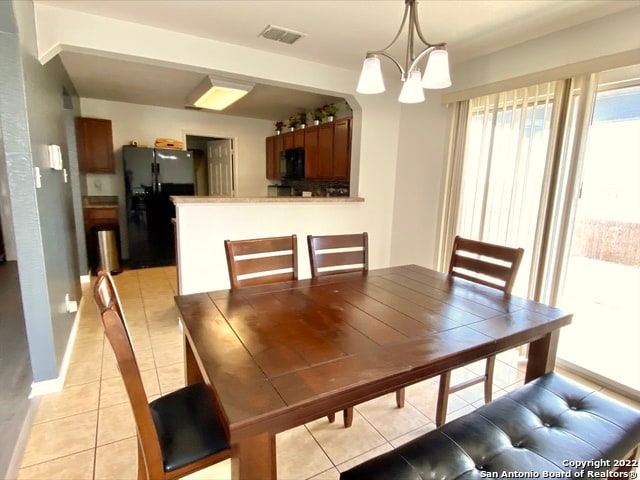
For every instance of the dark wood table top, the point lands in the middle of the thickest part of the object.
(283, 354)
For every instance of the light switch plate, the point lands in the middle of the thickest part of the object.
(37, 177)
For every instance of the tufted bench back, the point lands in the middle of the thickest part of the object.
(550, 425)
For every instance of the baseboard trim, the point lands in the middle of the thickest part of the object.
(21, 443)
(53, 385)
(599, 379)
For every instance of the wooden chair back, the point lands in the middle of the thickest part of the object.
(330, 254)
(262, 260)
(485, 263)
(115, 327)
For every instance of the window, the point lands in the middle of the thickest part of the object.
(554, 169)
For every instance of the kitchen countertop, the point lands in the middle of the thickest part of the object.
(99, 201)
(213, 199)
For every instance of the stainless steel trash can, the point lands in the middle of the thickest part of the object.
(107, 242)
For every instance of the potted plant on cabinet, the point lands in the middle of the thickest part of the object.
(292, 122)
(330, 111)
(279, 125)
(302, 119)
(317, 115)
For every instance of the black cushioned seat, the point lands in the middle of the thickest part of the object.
(548, 425)
(188, 428)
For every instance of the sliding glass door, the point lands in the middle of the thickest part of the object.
(602, 278)
(555, 169)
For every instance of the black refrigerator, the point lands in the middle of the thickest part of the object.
(152, 176)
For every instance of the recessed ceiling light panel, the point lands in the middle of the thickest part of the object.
(281, 34)
(215, 93)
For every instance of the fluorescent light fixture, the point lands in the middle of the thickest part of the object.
(215, 93)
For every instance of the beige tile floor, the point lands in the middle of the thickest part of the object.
(86, 431)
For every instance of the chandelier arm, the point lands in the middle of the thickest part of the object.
(420, 56)
(385, 54)
(408, 59)
(421, 36)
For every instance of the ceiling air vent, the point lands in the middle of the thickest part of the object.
(280, 34)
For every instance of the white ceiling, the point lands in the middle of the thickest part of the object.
(339, 32)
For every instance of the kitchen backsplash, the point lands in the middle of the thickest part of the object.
(103, 184)
(319, 189)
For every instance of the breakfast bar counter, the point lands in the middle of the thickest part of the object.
(204, 223)
(285, 199)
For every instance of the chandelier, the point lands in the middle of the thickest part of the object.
(436, 74)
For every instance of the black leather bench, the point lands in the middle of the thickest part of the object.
(549, 428)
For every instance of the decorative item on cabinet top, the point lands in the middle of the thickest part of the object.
(300, 120)
(330, 111)
(169, 143)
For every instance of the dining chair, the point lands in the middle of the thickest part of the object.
(179, 433)
(488, 264)
(332, 254)
(262, 260)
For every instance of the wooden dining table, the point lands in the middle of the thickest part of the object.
(281, 355)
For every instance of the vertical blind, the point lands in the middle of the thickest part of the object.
(505, 164)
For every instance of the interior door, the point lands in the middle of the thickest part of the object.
(220, 159)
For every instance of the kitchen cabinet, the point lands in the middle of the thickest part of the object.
(287, 140)
(273, 170)
(273, 146)
(100, 217)
(311, 152)
(95, 145)
(298, 138)
(327, 150)
(342, 149)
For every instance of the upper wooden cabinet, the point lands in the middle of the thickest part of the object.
(273, 172)
(310, 152)
(298, 139)
(342, 149)
(95, 145)
(287, 140)
(327, 150)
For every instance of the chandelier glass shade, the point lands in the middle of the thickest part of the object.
(436, 73)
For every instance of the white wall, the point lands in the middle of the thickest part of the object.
(144, 123)
(203, 228)
(423, 143)
(609, 42)
(376, 118)
(406, 207)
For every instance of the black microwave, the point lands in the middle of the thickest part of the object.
(292, 164)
